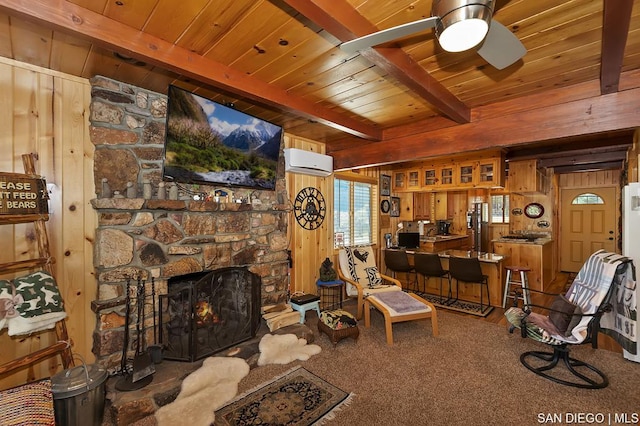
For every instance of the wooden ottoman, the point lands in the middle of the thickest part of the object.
(398, 306)
(337, 325)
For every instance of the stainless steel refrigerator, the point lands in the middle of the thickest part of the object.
(478, 222)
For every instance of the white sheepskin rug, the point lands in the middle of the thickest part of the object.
(285, 348)
(204, 391)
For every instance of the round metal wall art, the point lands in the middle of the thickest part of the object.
(533, 210)
(309, 208)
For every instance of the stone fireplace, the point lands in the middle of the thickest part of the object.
(141, 236)
(206, 312)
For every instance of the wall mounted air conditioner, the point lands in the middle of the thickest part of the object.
(307, 162)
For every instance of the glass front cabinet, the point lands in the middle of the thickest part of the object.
(467, 173)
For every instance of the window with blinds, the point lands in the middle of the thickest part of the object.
(354, 214)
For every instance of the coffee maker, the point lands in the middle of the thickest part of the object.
(443, 227)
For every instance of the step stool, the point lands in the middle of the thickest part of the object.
(511, 280)
(305, 303)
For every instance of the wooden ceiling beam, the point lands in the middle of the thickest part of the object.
(597, 144)
(615, 29)
(583, 159)
(606, 113)
(86, 24)
(344, 22)
(612, 165)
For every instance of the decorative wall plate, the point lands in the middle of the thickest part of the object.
(543, 224)
(385, 206)
(309, 208)
(516, 212)
(533, 210)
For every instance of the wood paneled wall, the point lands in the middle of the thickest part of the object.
(46, 113)
(309, 248)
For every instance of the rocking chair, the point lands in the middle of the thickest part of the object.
(573, 319)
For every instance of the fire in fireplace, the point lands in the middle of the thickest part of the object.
(206, 312)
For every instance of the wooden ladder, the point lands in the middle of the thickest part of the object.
(44, 261)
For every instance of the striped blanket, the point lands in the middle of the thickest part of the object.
(621, 322)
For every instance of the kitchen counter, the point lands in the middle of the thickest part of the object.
(536, 255)
(443, 238)
(482, 256)
(490, 263)
(440, 243)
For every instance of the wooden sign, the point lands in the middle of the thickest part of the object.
(23, 195)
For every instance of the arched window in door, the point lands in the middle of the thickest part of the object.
(587, 198)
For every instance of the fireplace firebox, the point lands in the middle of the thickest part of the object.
(207, 312)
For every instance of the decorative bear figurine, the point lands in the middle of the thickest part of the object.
(327, 273)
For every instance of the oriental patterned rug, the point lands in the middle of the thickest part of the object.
(457, 305)
(296, 398)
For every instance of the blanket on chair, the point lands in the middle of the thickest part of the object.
(588, 291)
(621, 322)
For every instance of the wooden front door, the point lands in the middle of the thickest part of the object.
(586, 227)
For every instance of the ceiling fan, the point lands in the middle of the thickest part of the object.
(459, 25)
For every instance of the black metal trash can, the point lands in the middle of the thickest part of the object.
(79, 395)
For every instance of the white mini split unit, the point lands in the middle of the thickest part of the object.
(307, 162)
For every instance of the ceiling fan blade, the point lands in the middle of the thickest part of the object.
(501, 47)
(389, 34)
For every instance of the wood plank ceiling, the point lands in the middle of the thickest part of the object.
(576, 87)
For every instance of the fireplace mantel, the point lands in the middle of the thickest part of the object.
(141, 204)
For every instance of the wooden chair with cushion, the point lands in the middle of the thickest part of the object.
(361, 275)
(572, 319)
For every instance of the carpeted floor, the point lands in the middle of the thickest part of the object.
(469, 375)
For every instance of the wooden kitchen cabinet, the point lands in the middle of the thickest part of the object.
(406, 180)
(399, 181)
(524, 177)
(491, 172)
(447, 176)
(413, 179)
(406, 206)
(422, 205)
(430, 177)
(537, 257)
(466, 174)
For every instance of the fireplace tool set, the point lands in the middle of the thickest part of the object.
(141, 371)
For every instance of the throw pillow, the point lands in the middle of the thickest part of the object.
(561, 313)
(362, 266)
(575, 319)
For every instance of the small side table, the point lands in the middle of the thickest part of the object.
(330, 293)
(303, 307)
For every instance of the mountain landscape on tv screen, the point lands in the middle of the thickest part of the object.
(210, 143)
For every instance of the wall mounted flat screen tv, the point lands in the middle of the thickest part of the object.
(210, 143)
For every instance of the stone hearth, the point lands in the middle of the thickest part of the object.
(125, 408)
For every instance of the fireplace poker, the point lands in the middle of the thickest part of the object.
(142, 363)
(127, 313)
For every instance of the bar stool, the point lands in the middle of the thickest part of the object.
(511, 280)
(398, 261)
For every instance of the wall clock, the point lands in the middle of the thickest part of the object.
(385, 206)
(533, 210)
(309, 208)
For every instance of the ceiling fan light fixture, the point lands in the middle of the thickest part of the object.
(463, 35)
(462, 26)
